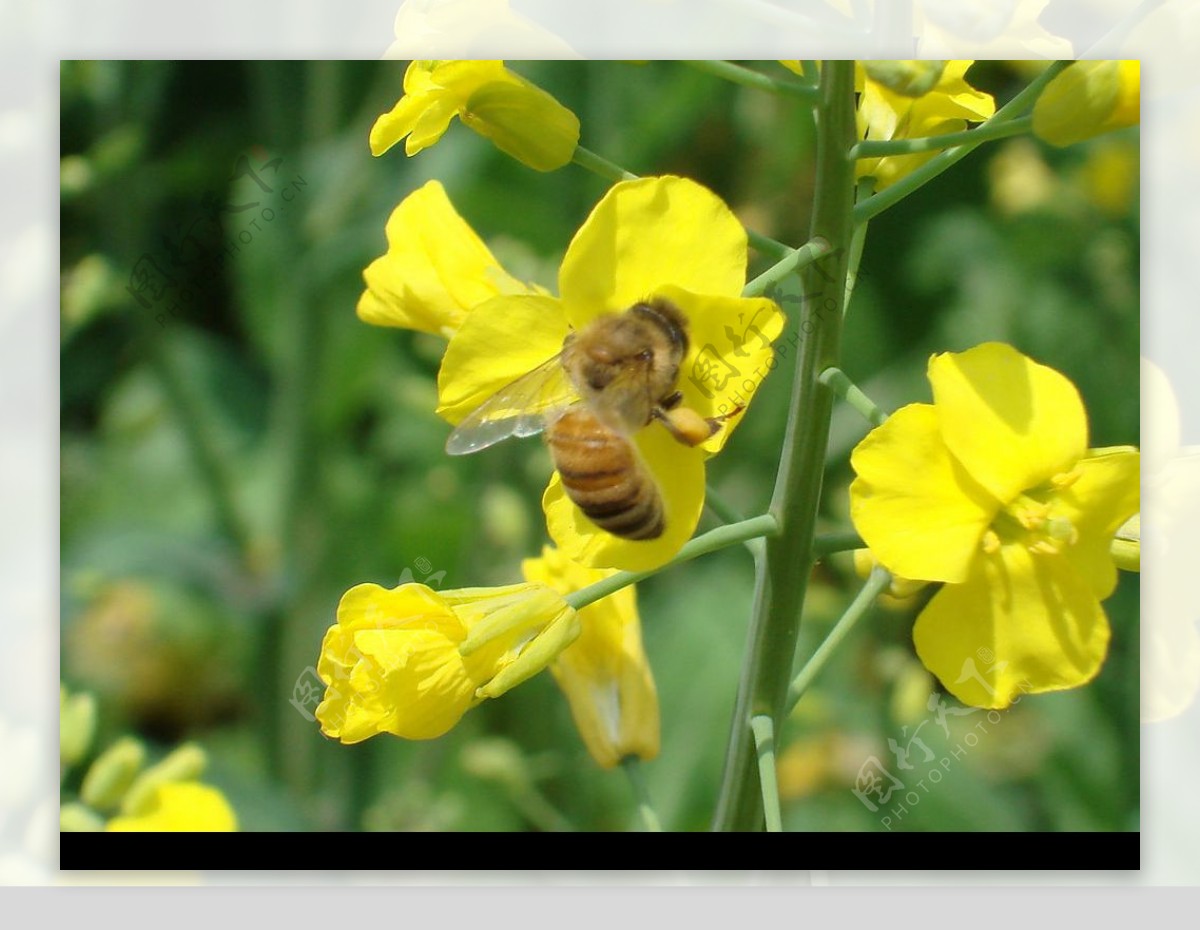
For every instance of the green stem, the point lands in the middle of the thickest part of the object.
(611, 171)
(633, 771)
(812, 74)
(783, 577)
(764, 743)
(986, 132)
(795, 260)
(588, 159)
(746, 77)
(728, 514)
(720, 538)
(826, 543)
(875, 584)
(1015, 108)
(837, 381)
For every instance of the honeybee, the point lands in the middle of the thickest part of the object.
(612, 378)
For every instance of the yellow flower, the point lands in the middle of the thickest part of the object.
(604, 674)
(436, 268)
(180, 806)
(992, 490)
(411, 661)
(664, 237)
(1087, 99)
(521, 119)
(891, 109)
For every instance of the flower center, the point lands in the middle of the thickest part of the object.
(1029, 520)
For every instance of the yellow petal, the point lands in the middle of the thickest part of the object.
(435, 270)
(1019, 624)
(431, 125)
(499, 341)
(645, 235)
(397, 123)
(1086, 99)
(1104, 494)
(1010, 422)
(524, 121)
(957, 98)
(729, 354)
(679, 474)
(919, 513)
(423, 688)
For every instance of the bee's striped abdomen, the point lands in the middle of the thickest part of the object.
(602, 475)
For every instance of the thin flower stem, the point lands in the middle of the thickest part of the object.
(611, 171)
(764, 742)
(783, 575)
(637, 781)
(594, 163)
(837, 381)
(795, 260)
(738, 74)
(878, 580)
(986, 132)
(720, 538)
(1015, 108)
(728, 514)
(827, 543)
(812, 73)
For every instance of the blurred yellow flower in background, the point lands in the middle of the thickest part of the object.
(892, 108)
(605, 673)
(411, 661)
(521, 119)
(992, 490)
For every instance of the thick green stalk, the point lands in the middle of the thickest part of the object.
(784, 574)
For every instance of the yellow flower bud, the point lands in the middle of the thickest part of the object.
(1088, 98)
(76, 726)
(186, 763)
(912, 78)
(180, 806)
(411, 661)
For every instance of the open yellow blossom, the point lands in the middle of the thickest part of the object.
(411, 661)
(604, 673)
(890, 109)
(180, 806)
(993, 490)
(521, 119)
(1089, 98)
(436, 268)
(661, 237)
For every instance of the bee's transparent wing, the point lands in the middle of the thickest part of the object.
(520, 409)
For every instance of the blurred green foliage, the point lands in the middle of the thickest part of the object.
(239, 451)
